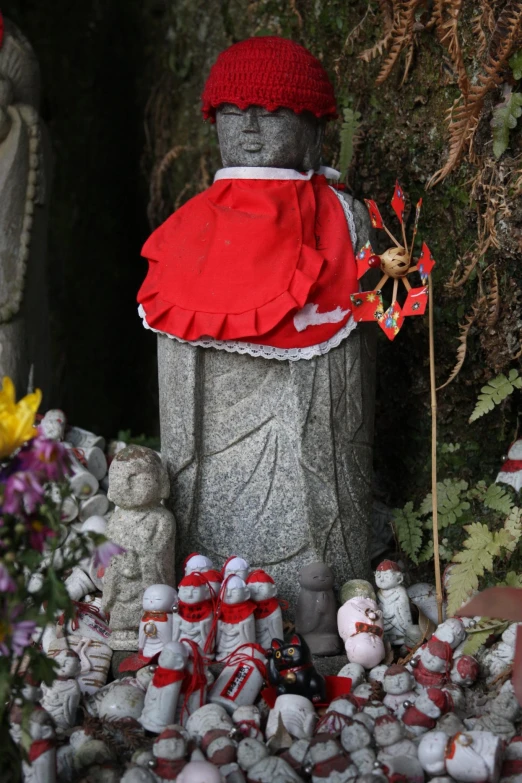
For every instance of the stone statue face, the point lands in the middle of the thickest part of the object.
(134, 484)
(260, 591)
(279, 139)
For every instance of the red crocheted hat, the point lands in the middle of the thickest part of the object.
(271, 72)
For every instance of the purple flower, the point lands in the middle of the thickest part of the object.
(22, 633)
(7, 584)
(22, 494)
(46, 457)
(104, 552)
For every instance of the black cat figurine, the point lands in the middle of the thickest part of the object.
(291, 670)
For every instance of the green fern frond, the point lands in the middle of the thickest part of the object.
(513, 526)
(495, 392)
(349, 129)
(408, 529)
(480, 633)
(451, 502)
(513, 579)
(505, 116)
(480, 548)
(498, 499)
(515, 63)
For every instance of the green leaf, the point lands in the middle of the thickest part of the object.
(513, 526)
(498, 499)
(480, 633)
(450, 502)
(505, 116)
(476, 558)
(408, 528)
(512, 580)
(495, 392)
(515, 63)
(426, 553)
(349, 130)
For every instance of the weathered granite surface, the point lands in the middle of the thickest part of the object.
(25, 159)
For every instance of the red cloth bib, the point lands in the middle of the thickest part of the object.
(163, 677)
(235, 613)
(238, 261)
(266, 608)
(193, 613)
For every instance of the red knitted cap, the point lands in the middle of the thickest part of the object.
(388, 565)
(259, 576)
(271, 72)
(193, 580)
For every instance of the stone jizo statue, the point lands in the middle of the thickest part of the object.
(266, 386)
(140, 524)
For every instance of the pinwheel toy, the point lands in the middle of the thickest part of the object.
(396, 263)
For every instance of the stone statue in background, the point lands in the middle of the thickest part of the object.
(266, 388)
(141, 525)
(24, 196)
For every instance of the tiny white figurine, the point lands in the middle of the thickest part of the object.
(328, 762)
(52, 425)
(208, 718)
(297, 714)
(390, 736)
(465, 670)
(422, 716)
(502, 712)
(194, 614)
(501, 655)
(355, 672)
(360, 626)
(432, 667)
(393, 600)
(470, 756)
(236, 565)
(250, 751)
(511, 471)
(512, 764)
(156, 620)
(62, 698)
(452, 631)
(398, 686)
(124, 700)
(236, 624)
(247, 720)
(356, 739)
(41, 767)
(338, 714)
(268, 615)
(163, 692)
(200, 564)
(195, 684)
(200, 772)
(169, 751)
(86, 577)
(271, 769)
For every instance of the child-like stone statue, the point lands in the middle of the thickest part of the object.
(268, 438)
(138, 482)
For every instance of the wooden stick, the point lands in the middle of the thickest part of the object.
(391, 236)
(407, 286)
(381, 282)
(395, 287)
(404, 239)
(436, 556)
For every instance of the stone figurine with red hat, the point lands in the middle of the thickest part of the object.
(268, 615)
(268, 438)
(194, 614)
(236, 623)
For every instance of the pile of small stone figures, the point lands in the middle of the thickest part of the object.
(206, 689)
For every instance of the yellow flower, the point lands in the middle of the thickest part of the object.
(16, 418)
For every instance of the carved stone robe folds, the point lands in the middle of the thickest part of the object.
(271, 458)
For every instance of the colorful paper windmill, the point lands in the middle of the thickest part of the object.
(396, 262)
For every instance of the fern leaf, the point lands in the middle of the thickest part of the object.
(478, 492)
(480, 633)
(498, 499)
(464, 330)
(463, 120)
(495, 392)
(349, 131)
(426, 553)
(505, 116)
(512, 580)
(480, 548)
(482, 22)
(408, 528)
(450, 503)
(513, 525)
(447, 16)
(515, 63)
(401, 36)
(493, 298)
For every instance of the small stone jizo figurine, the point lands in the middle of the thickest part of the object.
(194, 613)
(163, 692)
(236, 623)
(62, 698)
(393, 600)
(138, 482)
(268, 615)
(316, 612)
(156, 620)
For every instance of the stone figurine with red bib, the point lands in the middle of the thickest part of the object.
(266, 387)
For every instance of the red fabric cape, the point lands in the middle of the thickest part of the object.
(239, 260)
(266, 608)
(193, 613)
(163, 677)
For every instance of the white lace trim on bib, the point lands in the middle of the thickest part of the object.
(270, 351)
(265, 351)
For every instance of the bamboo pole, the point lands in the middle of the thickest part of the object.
(436, 556)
